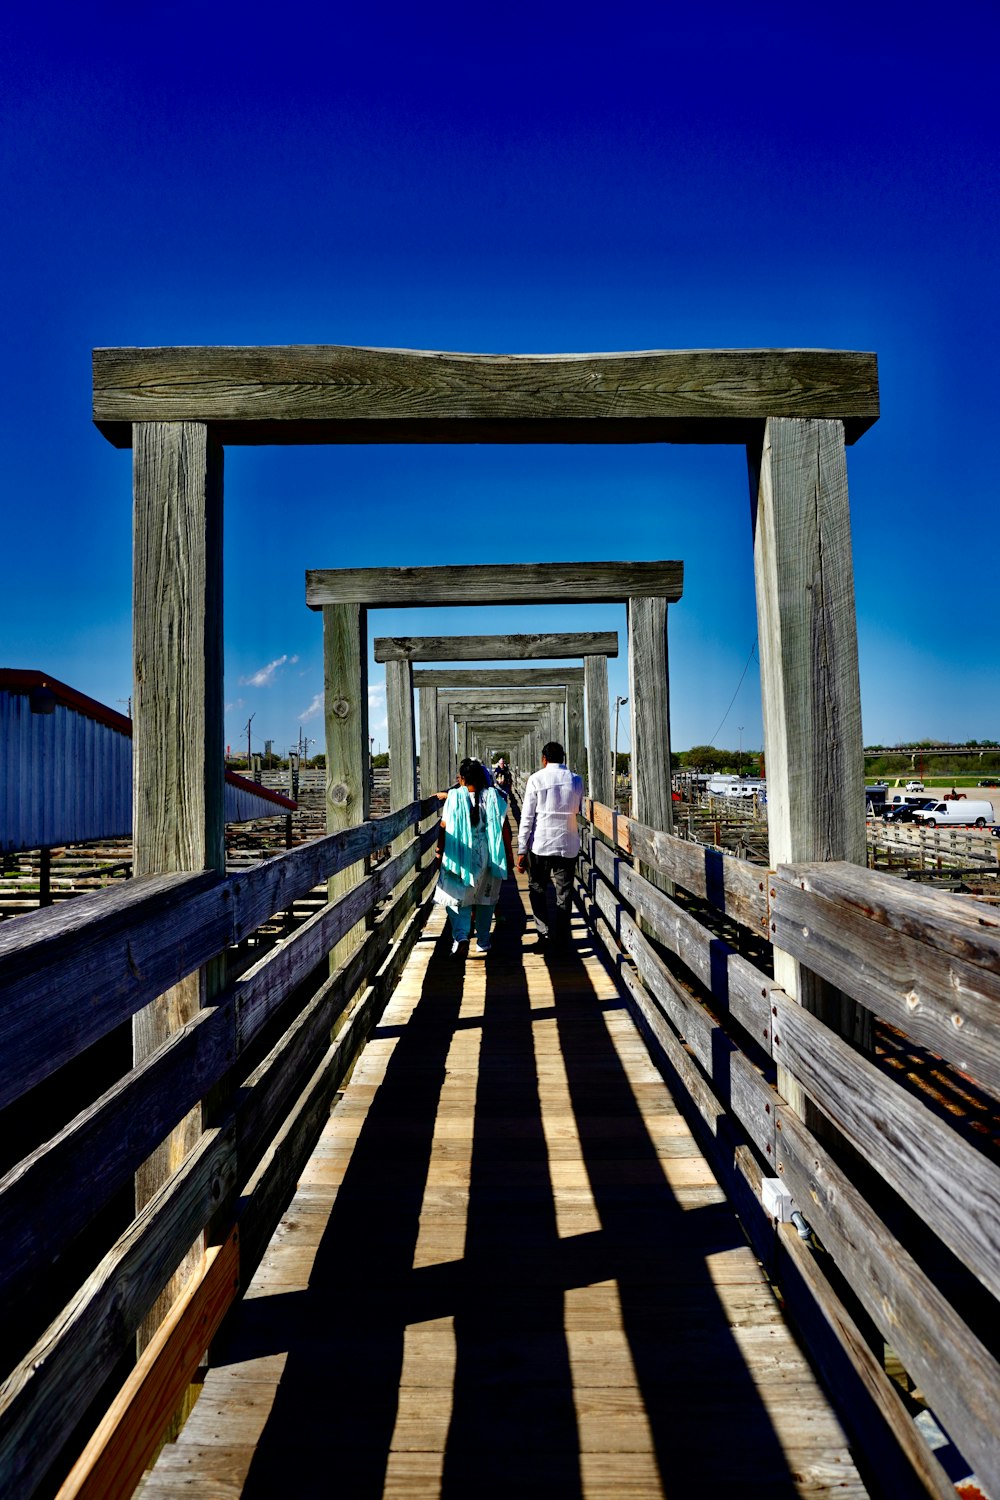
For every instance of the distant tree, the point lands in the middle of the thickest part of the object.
(381, 761)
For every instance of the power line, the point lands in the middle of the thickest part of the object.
(732, 700)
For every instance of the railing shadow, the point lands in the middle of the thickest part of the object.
(515, 1424)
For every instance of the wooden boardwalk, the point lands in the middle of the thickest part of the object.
(508, 1270)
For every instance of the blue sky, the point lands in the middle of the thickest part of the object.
(526, 180)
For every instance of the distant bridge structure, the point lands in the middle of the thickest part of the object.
(501, 1221)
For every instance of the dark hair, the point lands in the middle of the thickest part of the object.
(554, 753)
(473, 774)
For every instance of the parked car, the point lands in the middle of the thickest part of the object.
(962, 814)
(988, 781)
(915, 786)
(902, 812)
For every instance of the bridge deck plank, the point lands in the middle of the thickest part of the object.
(508, 1268)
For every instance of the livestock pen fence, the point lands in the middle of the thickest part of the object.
(80, 1266)
(903, 1195)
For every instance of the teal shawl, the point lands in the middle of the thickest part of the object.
(457, 857)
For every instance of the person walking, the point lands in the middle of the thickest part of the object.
(474, 855)
(549, 841)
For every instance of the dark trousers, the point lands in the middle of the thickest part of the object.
(541, 869)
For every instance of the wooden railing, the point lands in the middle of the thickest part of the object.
(903, 1196)
(78, 1271)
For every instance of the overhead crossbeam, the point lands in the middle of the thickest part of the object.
(495, 584)
(552, 647)
(501, 677)
(336, 393)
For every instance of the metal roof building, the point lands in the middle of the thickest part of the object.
(66, 768)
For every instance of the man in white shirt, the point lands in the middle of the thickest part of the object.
(548, 840)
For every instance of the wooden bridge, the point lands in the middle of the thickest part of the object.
(713, 1200)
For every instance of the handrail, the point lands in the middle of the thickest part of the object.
(273, 1102)
(928, 964)
(116, 950)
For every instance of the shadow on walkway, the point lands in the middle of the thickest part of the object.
(530, 1381)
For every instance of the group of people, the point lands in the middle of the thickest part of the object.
(475, 853)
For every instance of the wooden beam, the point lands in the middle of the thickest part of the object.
(493, 584)
(178, 737)
(496, 647)
(599, 782)
(428, 741)
(402, 739)
(512, 677)
(575, 756)
(335, 393)
(649, 705)
(345, 682)
(131, 1430)
(810, 690)
(487, 707)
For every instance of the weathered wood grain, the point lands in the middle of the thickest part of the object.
(874, 1413)
(959, 1376)
(649, 706)
(599, 783)
(493, 584)
(114, 952)
(954, 1189)
(733, 886)
(496, 677)
(273, 1184)
(130, 1432)
(345, 687)
(427, 714)
(52, 1194)
(178, 765)
(939, 983)
(402, 736)
(264, 987)
(807, 634)
(42, 1399)
(736, 984)
(553, 646)
(324, 393)
(575, 743)
(178, 737)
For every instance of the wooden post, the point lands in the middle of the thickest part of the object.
(576, 758)
(809, 675)
(649, 704)
(599, 783)
(445, 746)
(178, 740)
(45, 877)
(428, 741)
(402, 749)
(345, 672)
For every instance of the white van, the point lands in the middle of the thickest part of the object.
(961, 813)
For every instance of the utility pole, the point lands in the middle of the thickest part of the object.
(249, 722)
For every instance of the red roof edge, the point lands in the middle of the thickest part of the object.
(15, 680)
(21, 680)
(246, 785)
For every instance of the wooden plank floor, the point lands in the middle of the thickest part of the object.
(508, 1270)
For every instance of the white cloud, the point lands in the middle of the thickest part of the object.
(315, 707)
(376, 694)
(265, 675)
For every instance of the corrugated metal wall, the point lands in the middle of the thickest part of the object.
(64, 778)
(67, 779)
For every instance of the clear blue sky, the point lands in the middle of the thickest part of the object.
(522, 179)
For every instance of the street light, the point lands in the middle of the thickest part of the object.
(614, 757)
(740, 766)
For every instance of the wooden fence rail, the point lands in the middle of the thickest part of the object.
(261, 1062)
(907, 1207)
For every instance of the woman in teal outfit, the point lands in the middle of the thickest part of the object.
(474, 854)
